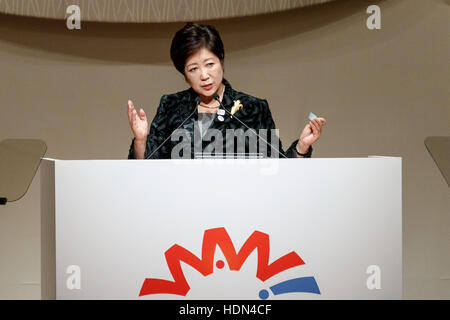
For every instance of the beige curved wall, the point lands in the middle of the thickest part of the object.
(382, 92)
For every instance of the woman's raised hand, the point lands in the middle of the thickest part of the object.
(311, 133)
(138, 122)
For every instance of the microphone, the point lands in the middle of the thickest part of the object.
(217, 98)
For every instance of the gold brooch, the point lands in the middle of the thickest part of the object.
(237, 105)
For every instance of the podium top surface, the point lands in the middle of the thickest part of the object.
(221, 160)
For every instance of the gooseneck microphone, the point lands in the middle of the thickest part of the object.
(217, 98)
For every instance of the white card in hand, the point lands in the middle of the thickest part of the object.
(312, 116)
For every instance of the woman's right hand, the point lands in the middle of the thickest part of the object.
(138, 122)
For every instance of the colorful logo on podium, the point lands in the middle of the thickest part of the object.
(219, 237)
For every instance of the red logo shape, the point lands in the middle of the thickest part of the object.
(212, 238)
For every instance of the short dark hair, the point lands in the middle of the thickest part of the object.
(191, 38)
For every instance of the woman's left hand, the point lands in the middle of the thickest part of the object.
(311, 133)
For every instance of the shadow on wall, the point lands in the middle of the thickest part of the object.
(149, 43)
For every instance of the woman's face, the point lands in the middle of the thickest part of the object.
(203, 71)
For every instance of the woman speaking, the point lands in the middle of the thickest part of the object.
(210, 112)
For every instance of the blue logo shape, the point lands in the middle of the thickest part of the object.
(305, 284)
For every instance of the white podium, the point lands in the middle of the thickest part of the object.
(222, 229)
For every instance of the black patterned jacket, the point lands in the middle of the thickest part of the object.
(179, 111)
